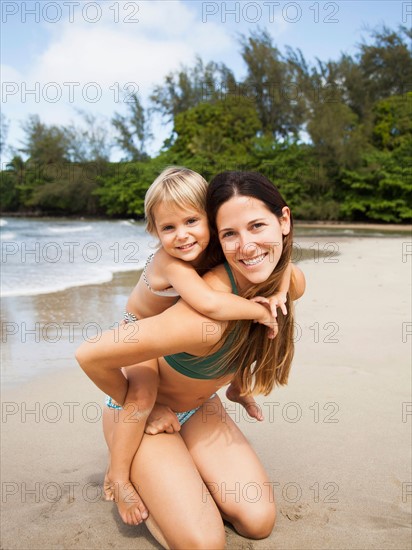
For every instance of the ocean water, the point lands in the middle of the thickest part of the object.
(40, 256)
(49, 255)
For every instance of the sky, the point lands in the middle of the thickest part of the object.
(59, 58)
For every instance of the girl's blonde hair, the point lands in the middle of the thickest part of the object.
(177, 186)
(260, 362)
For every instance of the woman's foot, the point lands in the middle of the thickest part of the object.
(247, 401)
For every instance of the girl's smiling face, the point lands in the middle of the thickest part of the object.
(183, 233)
(251, 237)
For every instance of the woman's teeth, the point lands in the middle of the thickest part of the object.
(254, 261)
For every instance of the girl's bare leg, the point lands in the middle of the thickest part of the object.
(129, 503)
(123, 431)
(231, 469)
(247, 401)
(127, 435)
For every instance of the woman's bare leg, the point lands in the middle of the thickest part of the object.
(156, 532)
(179, 503)
(231, 469)
(182, 514)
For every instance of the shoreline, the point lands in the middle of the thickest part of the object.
(300, 253)
(37, 327)
(116, 275)
(316, 224)
(407, 228)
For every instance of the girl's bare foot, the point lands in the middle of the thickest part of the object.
(247, 401)
(107, 487)
(130, 505)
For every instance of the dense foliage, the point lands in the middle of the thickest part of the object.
(335, 137)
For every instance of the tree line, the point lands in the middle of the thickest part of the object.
(335, 136)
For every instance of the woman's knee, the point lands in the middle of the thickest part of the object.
(196, 536)
(190, 537)
(256, 522)
(213, 539)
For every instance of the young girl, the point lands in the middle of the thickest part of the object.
(174, 210)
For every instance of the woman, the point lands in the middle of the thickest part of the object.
(190, 480)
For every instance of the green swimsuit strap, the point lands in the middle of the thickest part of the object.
(231, 277)
(201, 367)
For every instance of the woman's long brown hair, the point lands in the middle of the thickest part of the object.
(260, 362)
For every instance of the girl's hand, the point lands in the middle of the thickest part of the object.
(278, 300)
(267, 319)
(162, 419)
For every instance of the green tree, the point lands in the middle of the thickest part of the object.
(46, 144)
(90, 141)
(68, 190)
(10, 179)
(336, 136)
(379, 69)
(132, 130)
(392, 122)
(191, 86)
(215, 136)
(295, 170)
(381, 188)
(123, 186)
(48, 181)
(271, 82)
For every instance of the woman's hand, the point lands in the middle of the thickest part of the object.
(267, 318)
(162, 419)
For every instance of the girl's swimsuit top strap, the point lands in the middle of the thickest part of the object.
(193, 366)
(166, 292)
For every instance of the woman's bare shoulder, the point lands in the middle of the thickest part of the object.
(218, 279)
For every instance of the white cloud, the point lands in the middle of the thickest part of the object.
(106, 55)
(111, 54)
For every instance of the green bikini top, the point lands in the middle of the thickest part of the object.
(194, 366)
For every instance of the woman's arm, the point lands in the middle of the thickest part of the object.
(177, 329)
(297, 283)
(222, 306)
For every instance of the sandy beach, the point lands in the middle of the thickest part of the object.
(336, 441)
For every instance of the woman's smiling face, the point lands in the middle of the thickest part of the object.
(251, 237)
